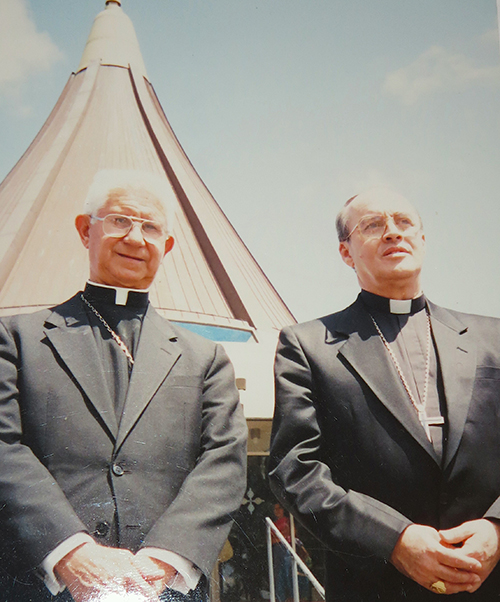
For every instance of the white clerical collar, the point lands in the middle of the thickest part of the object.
(121, 294)
(393, 306)
(400, 306)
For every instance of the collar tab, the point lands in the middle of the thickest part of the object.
(400, 306)
(393, 306)
(112, 295)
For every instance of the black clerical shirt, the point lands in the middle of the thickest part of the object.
(125, 318)
(406, 333)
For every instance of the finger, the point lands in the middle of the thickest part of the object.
(130, 578)
(143, 589)
(159, 586)
(457, 559)
(454, 588)
(149, 569)
(457, 534)
(474, 588)
(123, 590)
(456, 576)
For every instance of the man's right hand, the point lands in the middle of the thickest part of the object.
(92, 569)
(422, 555)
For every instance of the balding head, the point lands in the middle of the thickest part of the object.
(375, 197)
(381, 238)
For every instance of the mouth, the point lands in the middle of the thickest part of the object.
(131, 258)
(395, 251)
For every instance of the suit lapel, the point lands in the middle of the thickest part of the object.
(366, 353)
(156, 354)
(71, 336)
(457, 359)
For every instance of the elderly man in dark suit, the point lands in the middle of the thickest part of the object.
(386, 436)
(122, 440)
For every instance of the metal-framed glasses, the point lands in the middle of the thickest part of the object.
(374, 226)
(118, 226)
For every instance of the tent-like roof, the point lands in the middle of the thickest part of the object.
(108, 116)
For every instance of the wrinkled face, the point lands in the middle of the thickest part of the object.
(129, 261)
(395, 255)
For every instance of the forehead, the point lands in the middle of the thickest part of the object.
(137, 202)
(381, 202)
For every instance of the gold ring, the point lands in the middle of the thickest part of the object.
(438, 587)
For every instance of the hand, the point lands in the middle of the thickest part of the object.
(421, 555)
(479, 539)
(156, 572)
(92, 570)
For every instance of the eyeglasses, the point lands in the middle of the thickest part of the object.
(118, 226)
(374, 226)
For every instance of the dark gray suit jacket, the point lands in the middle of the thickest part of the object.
(169, 474)
(350, 459)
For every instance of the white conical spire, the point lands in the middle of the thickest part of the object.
(108, 116)
(112, 41)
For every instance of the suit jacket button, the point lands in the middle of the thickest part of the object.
(102, 529)
(117, 470)
(444, 498)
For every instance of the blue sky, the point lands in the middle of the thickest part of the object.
(289, 107)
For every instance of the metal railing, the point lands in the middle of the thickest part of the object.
(271, 527)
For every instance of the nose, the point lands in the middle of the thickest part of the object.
(392, 232)
(135, 236)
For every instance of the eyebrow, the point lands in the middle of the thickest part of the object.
(377, 213)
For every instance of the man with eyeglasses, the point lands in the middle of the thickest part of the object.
(386, 433)
(122, 440)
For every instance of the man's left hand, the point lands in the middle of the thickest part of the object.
(479, 539)
(148, 567)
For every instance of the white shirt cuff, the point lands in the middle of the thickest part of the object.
(50, 561)
(187, 574)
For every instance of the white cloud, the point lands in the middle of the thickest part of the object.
(23, 49)
(435, 70)
(490, 38)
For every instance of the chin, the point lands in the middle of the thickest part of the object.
(406, 263)
(135, 285)
(129, 283)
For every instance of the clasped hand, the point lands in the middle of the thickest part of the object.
(93, 570)
(461, 558)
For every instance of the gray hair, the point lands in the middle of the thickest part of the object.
(108, 180)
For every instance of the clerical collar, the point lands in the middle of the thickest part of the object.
(393, 306)
(112, 295)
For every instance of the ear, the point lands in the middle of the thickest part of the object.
(82, 224)
(169, 243)
(346, 254)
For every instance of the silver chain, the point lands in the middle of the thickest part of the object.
(419, 406)
(115, 336)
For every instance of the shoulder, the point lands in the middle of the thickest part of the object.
(188, 340)
(462, 321)
(38, 319)
(342, 322)
(197, 354)
(191, 339)
(481, 333)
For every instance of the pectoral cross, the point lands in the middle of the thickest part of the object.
(428, 421)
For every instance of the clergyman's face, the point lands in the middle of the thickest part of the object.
(129, 261)
(392, 258)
